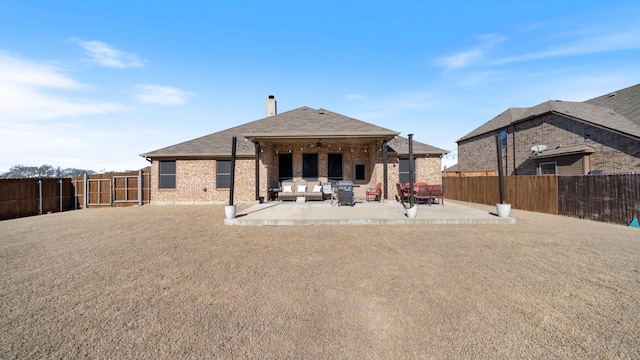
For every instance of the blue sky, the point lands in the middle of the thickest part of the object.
(92, 84)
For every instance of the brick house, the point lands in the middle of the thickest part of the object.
(601, 135)
(302, 143)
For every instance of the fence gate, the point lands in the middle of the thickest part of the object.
(99, 191)
(125, 189)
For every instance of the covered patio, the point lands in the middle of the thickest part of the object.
(363, 213)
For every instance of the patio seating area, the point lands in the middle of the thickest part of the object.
(363, 213)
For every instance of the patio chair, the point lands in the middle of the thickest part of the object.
(374, 192)
(436, 192)
(423, 194)
(402, 193)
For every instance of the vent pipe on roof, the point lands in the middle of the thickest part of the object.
(272, 106)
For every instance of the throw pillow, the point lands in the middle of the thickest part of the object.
(317, 188)
(302, 188)
(287, 188)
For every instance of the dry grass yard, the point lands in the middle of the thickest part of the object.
(164, 282)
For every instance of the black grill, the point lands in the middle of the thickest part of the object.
(345, 193)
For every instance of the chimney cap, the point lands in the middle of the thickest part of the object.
(271, 97)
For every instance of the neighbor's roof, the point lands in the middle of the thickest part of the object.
(625, 102)
(565, 150)
(618, 113)
(303, 122)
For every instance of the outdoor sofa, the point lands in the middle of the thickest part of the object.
(292, 189)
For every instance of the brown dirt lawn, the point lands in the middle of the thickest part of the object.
(174, 282)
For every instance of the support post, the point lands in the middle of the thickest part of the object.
(411, 170)
(500, 169)
(233, 168)
(385, 172)
(257, 146)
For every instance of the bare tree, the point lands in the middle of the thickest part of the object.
(45, 171)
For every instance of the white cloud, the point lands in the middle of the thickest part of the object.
(104, 55)
(473, 55)
(629, 39)
(25, 92)
(163, 95)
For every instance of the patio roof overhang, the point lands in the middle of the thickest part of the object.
(324, 137)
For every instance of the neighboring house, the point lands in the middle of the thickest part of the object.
(304, 143)
(601, 135)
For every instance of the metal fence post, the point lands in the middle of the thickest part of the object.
(39, 197)
(60, 195)
(75, 194)
(85, 193)
(140, 187)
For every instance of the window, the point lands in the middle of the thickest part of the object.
(167, 174)
(403, 170)
(360, 172)
(285, 166)
(334, 166)
(548, 168)
(223, 174)
(310, 166)
(503, 138)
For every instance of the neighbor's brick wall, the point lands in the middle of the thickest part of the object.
(478, 153)
(613, 153)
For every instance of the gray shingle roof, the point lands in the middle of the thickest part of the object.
(625, 102)
(400, 145)
(620, 113)
(503, 120)
(303, 122)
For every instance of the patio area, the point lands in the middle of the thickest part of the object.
(362, 213)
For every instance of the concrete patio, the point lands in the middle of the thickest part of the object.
(362, 213)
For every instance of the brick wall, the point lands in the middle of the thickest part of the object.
(196, 183)
(196, 179)
(614, 153)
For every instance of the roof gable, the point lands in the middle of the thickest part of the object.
(300, 122)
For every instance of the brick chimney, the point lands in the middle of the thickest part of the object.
(272, 106)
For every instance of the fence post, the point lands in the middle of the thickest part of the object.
(39, 197)
(140, 187)
(60, 195)
(85, 197)
(75, 194)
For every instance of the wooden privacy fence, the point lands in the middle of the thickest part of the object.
(27, 197)
(113, 189)
(522, 192)
(606, 198)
